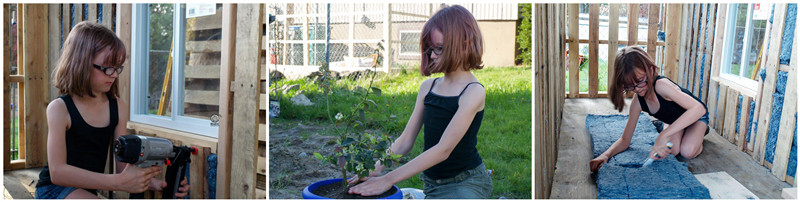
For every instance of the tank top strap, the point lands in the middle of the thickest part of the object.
(432, 84)
(114, 113)
(73, 111)
(465, 88)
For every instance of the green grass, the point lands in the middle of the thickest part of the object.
(583, 77)
(504, 140)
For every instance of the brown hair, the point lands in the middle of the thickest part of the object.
(73, 71)
(463, 44)
(628, 59)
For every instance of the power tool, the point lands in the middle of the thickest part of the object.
(144, 151)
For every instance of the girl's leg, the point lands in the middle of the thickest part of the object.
(676, 141)
(693, 140)
(81, 194)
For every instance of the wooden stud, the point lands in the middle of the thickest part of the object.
(594, 36)
(769, 83)
(21, 66)
(613, 40)
(65, 21)
(744, 114)
(36, 78)
(703, 84)
(720, 117)
(729, 128)
(681, 56)
(78, 12)
(759, 95)
(692, 47)
(633, 24)
(673, 40)
(698, 47)
(717, 54)
(54, 21)
(6, 91)
(92, 15)
(652, 29)
(108, 16)
(197, 173)
(574, 74)
(227, 67)
(123, 31)
(712, 104)
(788, 122)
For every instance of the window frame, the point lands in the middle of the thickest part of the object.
(139, 76)
(406, 53)
(728, 46)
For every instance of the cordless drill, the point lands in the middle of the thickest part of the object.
(144, 152)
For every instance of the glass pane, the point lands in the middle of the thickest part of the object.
(740, 16)
(756, 43)
(158, 50)
(203, 29)
(14, 92)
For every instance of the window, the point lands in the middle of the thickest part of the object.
(175, 59)
(744, 38)
(410, 42)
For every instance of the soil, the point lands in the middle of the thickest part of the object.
(339, 191)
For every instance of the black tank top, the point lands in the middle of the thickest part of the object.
(439, 110)
(669, 110)
(86, 145)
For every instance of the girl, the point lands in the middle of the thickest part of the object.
(450, 108)
(82, 121)
(634, 71)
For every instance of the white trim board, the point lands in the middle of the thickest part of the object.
(722, 186)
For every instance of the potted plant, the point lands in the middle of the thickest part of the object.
(355, 151)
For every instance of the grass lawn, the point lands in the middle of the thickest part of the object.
(504, 140)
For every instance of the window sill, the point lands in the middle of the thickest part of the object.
(737, 84)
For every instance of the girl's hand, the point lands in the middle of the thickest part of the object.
(660, 149)
(598, 162)
(373, 186)
(159, 185)
(377, 172)
(136, 180)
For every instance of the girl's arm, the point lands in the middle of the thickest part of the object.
(455, 130)
(625, 140)
(694, 110)
(122, 129)
(64, 174)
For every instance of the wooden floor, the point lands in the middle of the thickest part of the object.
(573, 179)
(20, 184)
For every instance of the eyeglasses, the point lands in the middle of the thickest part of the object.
(638, 85)
(109, 70)
(437, 50)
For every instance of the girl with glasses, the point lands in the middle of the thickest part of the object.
(450, 108)
(685, 114)
(84, 119)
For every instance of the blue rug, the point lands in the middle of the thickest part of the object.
(623, 177)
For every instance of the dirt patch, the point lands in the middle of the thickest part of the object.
(292, 165)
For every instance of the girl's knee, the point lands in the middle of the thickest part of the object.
(691, 151)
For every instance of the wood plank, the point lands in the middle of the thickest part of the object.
(700, 49)
(692, 46)
(37, 83)
(789, 193)
(123, 31)
(92, 15)
(594, 36)
(185, 137)
(248, 32)
(201, 71)
(712, 104)
(227, 56)
(603, 41)
(203, 46)
(205, 22)
(78, 13)
(6, 92)
(261, 194)
(633, 23)
(769, 83)
(54, 24)
(788, 124)
(21, 70)
(721, 185)
(66, 25)
(108, 16)
(758, 97)
(687, 42)
(574, 74)
(708, 53)
(652, 29)
(262, 132)
(261, 167)
(263, 102)
(729, 129)
(613, 40)
(197, 173)
(744, 114)
(684, 9)
(720, 117)
(674, 23)
(205, 97)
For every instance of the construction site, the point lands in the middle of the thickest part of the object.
(738, 59)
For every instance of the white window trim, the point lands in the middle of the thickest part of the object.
(139, 77)
(728, 49)
(406, 53)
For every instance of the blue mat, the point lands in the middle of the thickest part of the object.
(623, 177)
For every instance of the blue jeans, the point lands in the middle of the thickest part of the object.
(704, 119)
(470, 184)
(53, 191)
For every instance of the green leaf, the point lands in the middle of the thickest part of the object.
(348, 141)
(319, 156)
(376, 91)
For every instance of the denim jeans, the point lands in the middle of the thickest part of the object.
(470, 184)
(53, 191)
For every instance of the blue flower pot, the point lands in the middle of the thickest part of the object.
(308, 195)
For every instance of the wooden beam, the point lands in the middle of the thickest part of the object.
(711, 104)
(633, 23)
(594, 37)
(682, 47)
(54, 23)
(6, 91)
(708, 53)
(245, 102)
(21, 71)
(586, 41)
(78, 12)
(673, 40)
(729, 128)
(720, 117)
(108, 15)
(201, 71)
(652, 29)
(613, 40)
(66, 24)
(758, 97)
(204, 97)
(123, 31)
(788, 124)
(697, 51)
(769, 83)
(37, 81)
(744, 115)
(574, 74)
(92, 15)
(227, 59)
(692, 49)
(722, 15)
(197, 173)
(203, 46)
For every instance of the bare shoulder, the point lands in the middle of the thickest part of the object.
(666, 88)
(476, 96)
(426, 86)
(57, 113)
